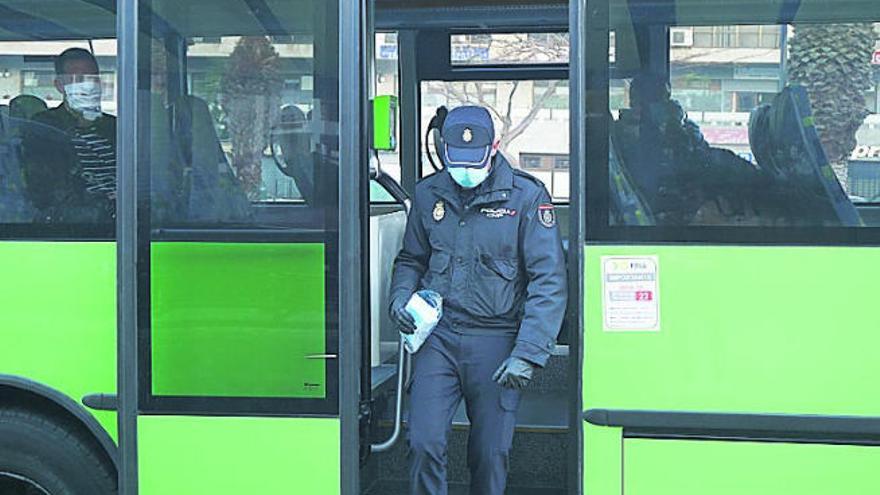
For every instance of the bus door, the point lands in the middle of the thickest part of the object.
(238, 245)
(520, 76)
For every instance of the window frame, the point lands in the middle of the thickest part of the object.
(435, 64)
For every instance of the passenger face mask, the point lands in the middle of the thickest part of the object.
(84, 97)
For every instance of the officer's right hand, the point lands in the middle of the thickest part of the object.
(401, 317)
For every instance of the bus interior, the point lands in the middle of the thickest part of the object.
(268, 176)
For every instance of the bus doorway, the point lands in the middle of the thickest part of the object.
(513, 61)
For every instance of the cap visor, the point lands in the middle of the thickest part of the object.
(467, 157)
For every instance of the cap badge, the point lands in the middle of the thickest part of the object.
(468, 135)
(439, 210)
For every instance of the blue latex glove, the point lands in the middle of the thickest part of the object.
(401, 317)
(514, 373)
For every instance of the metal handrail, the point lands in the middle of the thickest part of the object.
(403, 358)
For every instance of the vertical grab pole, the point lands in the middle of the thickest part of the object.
(403, 359)
(127, 245)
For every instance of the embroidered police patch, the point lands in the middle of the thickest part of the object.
(498, 212)
(439, 210)
(547, 215)
(468, 135)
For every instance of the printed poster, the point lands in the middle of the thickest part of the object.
(631, 293)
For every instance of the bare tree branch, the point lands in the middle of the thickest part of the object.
(529, 48)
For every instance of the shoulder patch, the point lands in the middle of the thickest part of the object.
(547, 215)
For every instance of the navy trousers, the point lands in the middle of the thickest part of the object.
(451, 366)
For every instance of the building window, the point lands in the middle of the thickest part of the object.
(530, 162)
(558, 100)
(735, 36)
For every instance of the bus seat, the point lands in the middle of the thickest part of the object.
(214, 193)
(26, 106)
(785, 143)
(626, 205)
(167, 175)
(15, 207)
(291, 149)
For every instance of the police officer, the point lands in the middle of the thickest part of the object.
(484, 236)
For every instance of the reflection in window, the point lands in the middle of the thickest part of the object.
(509, 48)
(243, 135)
(729, 138)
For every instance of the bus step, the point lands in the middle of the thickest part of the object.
(538, 459)
(401, 488)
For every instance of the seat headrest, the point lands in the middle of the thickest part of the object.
(26, 106)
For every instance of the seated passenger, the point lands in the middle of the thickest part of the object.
(682, 178)
(73, 181)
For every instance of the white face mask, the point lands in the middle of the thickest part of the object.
(85, 98)
(469, 178)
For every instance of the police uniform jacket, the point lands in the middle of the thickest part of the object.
(493, 253)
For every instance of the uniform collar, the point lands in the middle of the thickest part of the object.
(497, 186)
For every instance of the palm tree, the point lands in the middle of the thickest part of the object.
(833, 63)
(251, 95)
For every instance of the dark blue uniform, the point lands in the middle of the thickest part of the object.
(495, 255)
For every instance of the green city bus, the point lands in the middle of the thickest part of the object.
(225, 329)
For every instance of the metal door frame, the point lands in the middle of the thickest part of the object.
(352, 184)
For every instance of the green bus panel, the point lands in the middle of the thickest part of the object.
(603, 460)
(234, 456)
(665, 467)
(238, 320)
(742, 329)
(58, 317)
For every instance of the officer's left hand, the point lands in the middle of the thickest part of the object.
(514, 373)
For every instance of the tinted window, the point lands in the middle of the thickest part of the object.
(57, 123)
(747, 125)
(239, 145)
(387, 83)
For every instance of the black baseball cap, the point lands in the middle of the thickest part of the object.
(468, 134)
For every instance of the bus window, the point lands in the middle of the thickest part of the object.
(387, 83)
(531, 120)
(744, 124)
(240, 128)
(509, 48)
(58, 132)
(237, 124)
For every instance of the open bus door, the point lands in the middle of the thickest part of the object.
(426, 54)
(238, 358)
